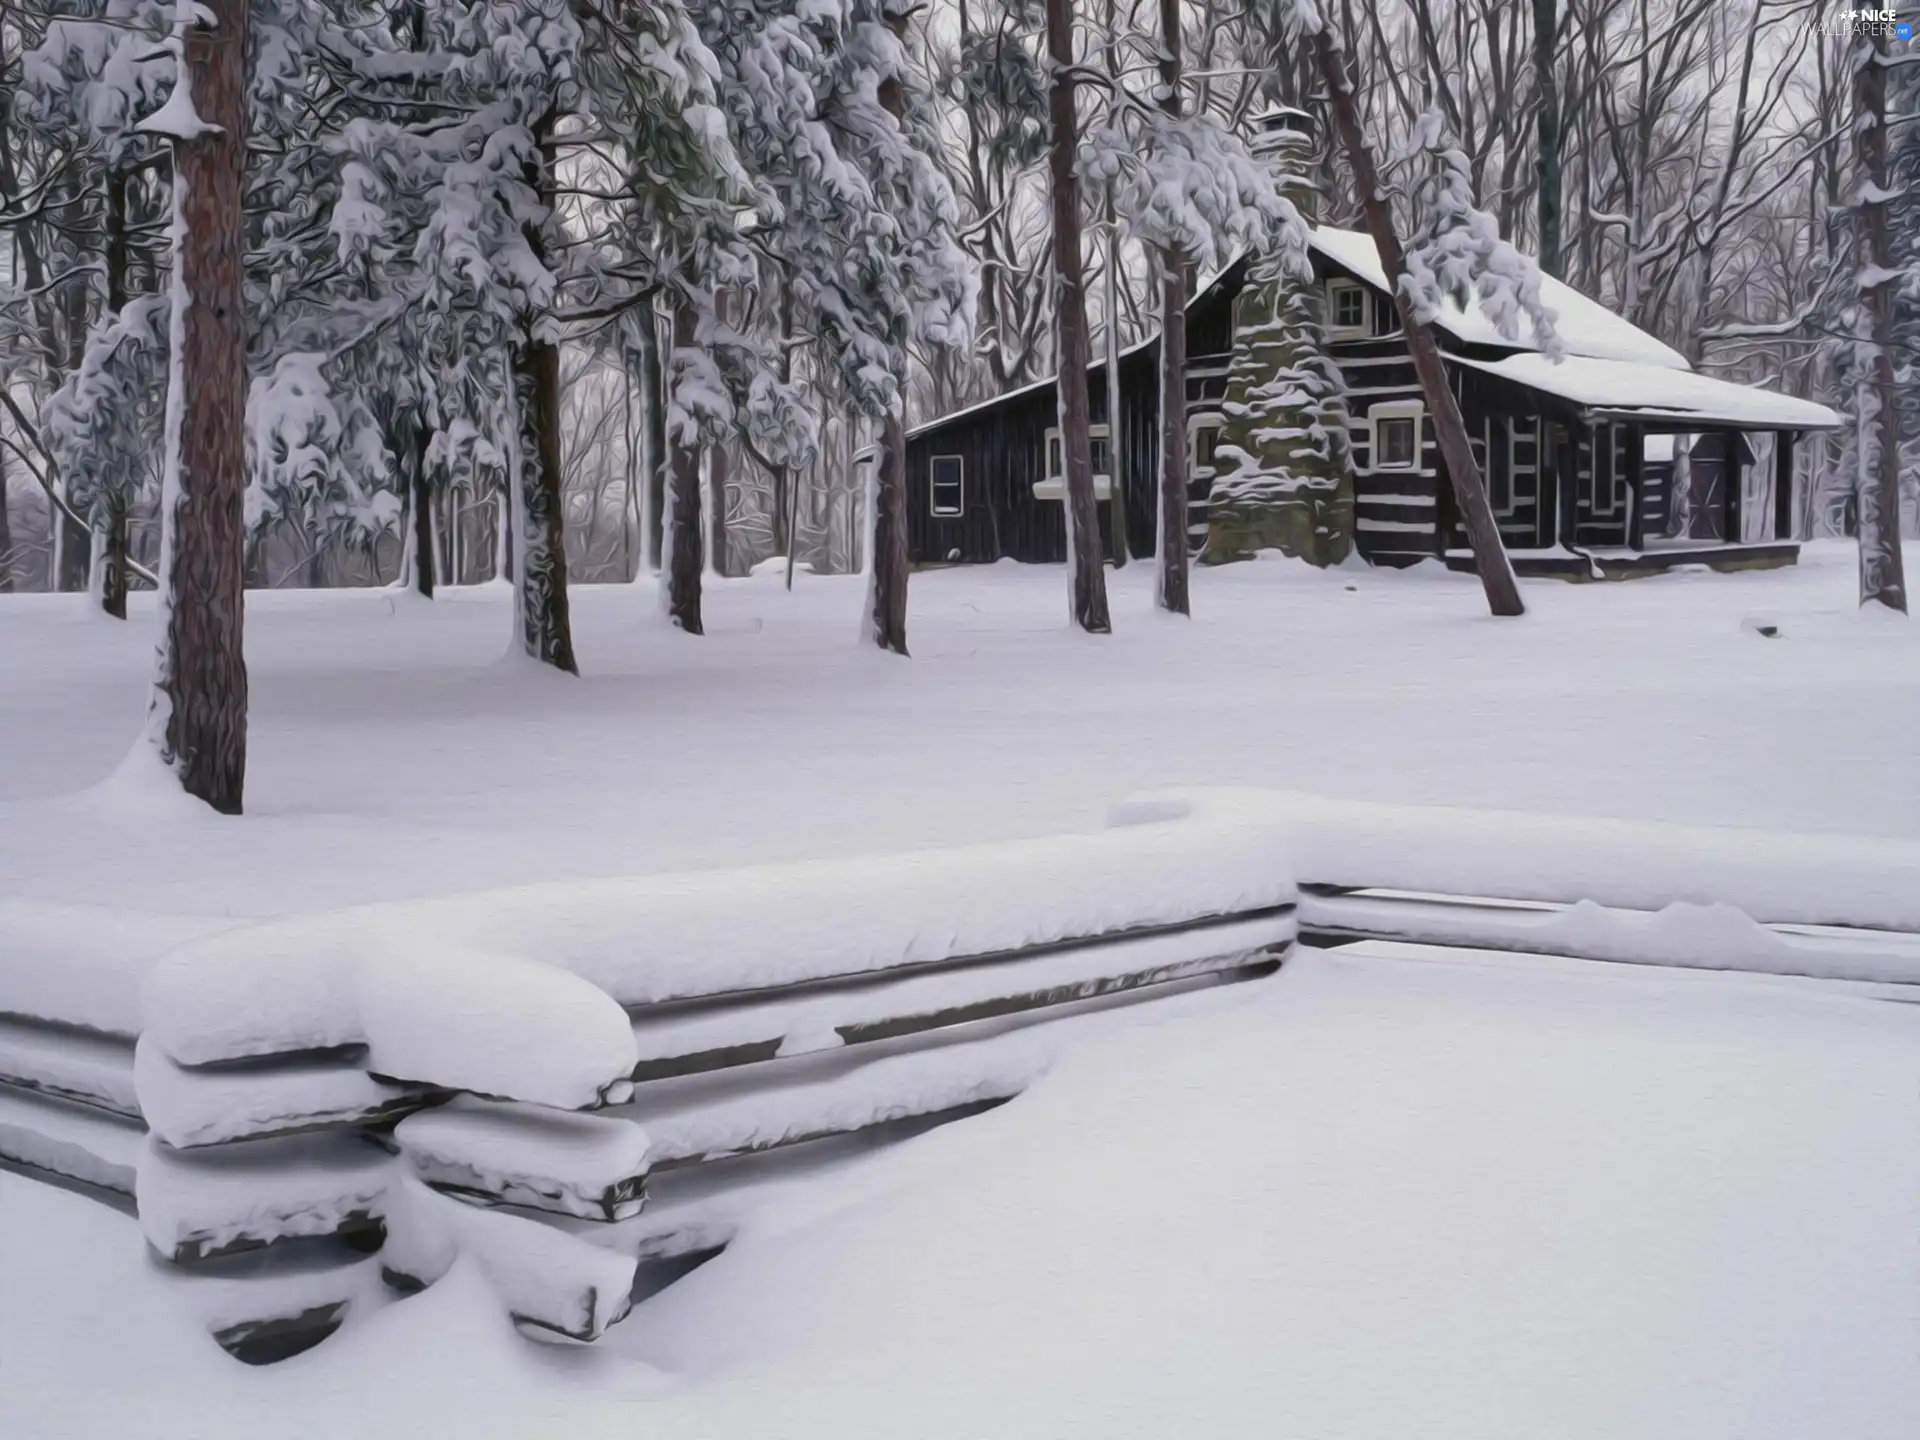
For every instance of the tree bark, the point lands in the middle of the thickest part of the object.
(1547, 126)
(1469, 488)
(719, 475)
(1882, 569)
(887, 576)
(1171, 590)
(539, 541)
(1088, 592)
(682, 517)
(6, 533)
(113, 556)
(888, 587)
(198, 713)
(420, 496)
(654, 428)
(539, 519)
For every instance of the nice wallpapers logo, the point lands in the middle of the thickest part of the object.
(1868, 23)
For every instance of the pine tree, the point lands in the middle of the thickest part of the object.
(1283, 471)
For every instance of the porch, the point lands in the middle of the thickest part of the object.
(1656, 558)
(1610, 470)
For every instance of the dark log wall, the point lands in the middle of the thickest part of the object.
(1002, 449)
(1554, 477)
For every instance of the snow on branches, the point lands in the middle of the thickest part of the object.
(1188, 184)
(1455, 250)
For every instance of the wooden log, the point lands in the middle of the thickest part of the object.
(590, 1166)
(194, 1108)
(1683, 936)
(200, 1205)
(549, 1281)
(78, 1145)
(82, 1067)
(913, 1078)
(689, 1038)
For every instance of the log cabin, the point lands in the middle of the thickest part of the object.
(1578, 454)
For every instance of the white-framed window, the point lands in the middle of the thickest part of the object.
(1347, 305)
(1203, 439)
(946, 489)
(1395, 440)
(1099, 444)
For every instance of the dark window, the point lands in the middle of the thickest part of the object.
(1096, 445)
(1499, 468)
(1393, 443)
(1206, 440)
(1349, 307)
(947, 491)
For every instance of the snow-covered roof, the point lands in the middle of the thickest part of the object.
(1585, 326)
(1651, 392)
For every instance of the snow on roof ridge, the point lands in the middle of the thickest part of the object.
(1586, 327)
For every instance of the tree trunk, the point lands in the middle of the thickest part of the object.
(72, 550)
(887, 587)
(719, 476)
(1547, 123)
(681, 522)
(887, 574)
(6, 533)
(1116, 447)
(1882, 570)
(420, 497)
(1171, 590)
(112, 559)
(653, 391)
(539, 517)
(198, 714)
(1469, 488)
(539, 534)
(1088, 579)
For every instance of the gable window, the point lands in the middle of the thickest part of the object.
(946, 489)
(1396, 436)
(1346, 308)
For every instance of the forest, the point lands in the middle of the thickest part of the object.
(415, 294)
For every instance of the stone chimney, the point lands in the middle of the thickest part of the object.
(1285, 133)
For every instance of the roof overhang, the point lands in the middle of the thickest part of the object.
(1654, 394)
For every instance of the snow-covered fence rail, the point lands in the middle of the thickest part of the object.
(565, 1084)
(342, 1106)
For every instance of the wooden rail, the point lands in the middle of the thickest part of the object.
(276, 1185)
(301, 1142)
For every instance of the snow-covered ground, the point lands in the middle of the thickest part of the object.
(392, 753)
(1366, 1198)
(1369, 1197)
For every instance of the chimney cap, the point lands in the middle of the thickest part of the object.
(1277, 120)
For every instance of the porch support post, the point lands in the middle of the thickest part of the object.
(1636, 487)
(1783, 485)
(1547, 481)
(1732, 486)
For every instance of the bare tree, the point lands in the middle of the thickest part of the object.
(1469, 489)
(1877, 407)
(1088, 577)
